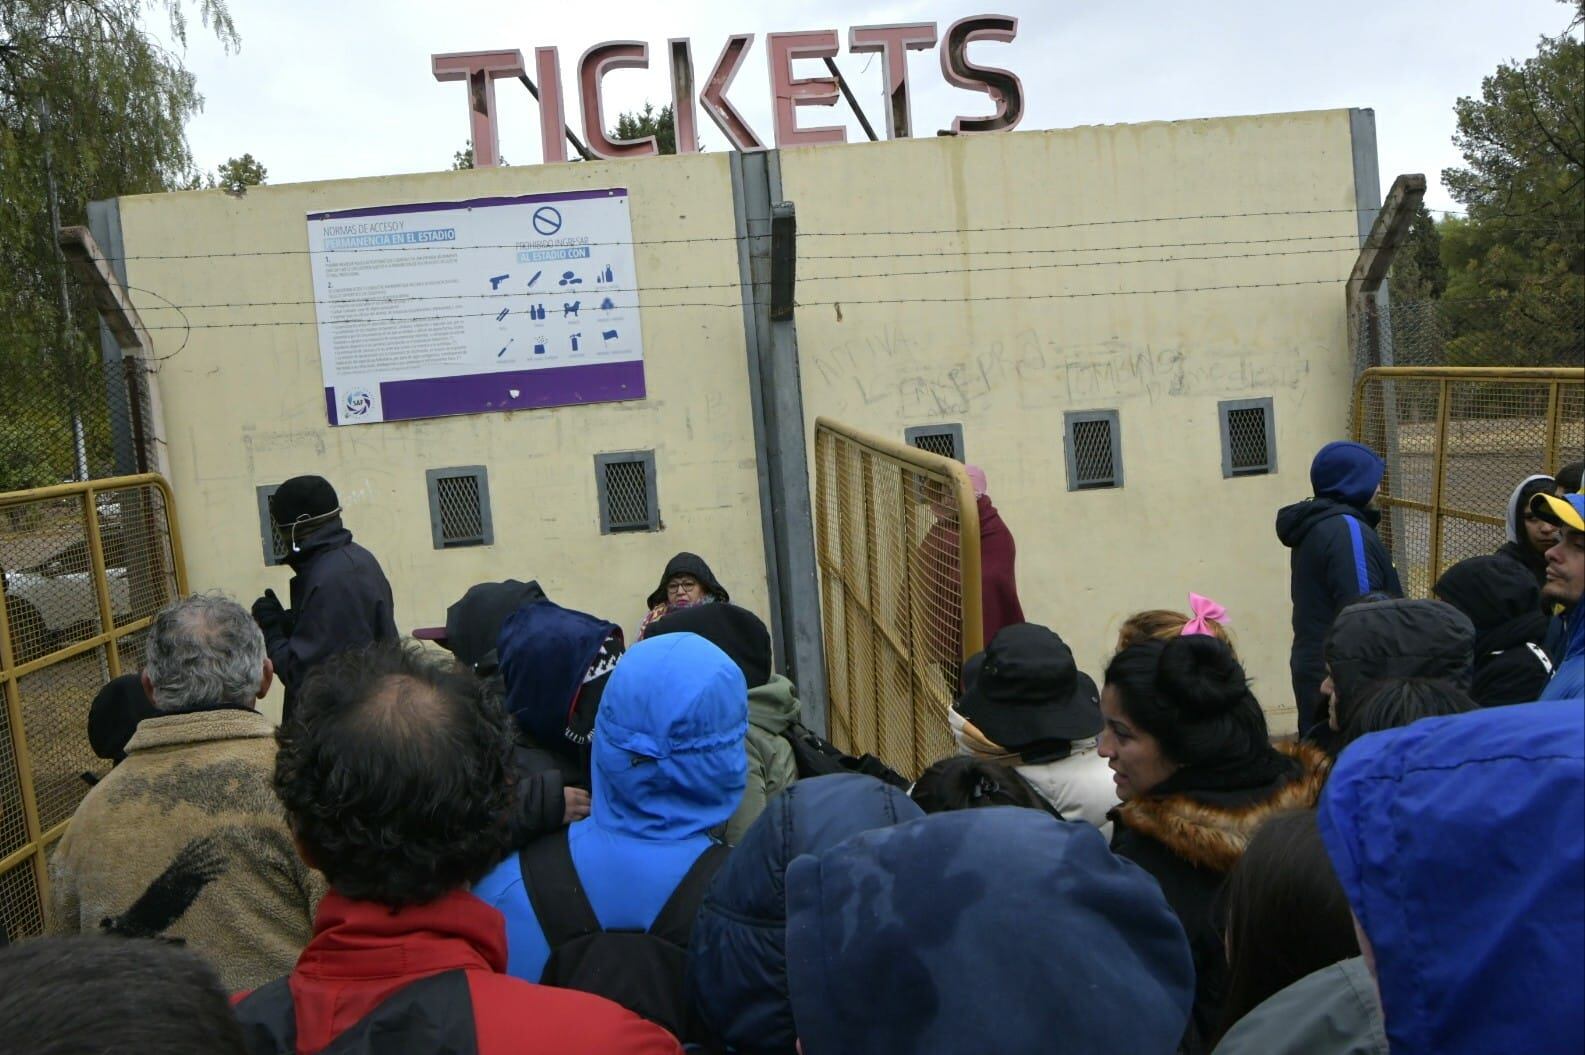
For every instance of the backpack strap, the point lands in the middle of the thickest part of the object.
(269, 1019)
(554, 890)
(675, 921)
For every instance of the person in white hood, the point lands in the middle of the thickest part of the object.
(1529, 536)
(1025, 703)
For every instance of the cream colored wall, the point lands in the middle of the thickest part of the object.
(1007, 369)
(245, 406)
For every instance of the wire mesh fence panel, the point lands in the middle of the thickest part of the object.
(86, 567)
(55, 703)
(72, 421)
(1457, 441)
(21, 906)
(897, 545)
(13, 819)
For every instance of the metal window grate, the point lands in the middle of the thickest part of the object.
(1094, 450)
(1249, 445)
(273, 542)
(945, 440)
(459, 507)
(627, 493)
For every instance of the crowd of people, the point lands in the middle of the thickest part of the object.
(548, 839)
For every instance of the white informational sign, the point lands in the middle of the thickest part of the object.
(473, 306)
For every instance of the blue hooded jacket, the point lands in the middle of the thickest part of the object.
(1337, 558)
(668, 766)
(1460, 842)
(738, 955)
(984, 930)
(1569, 680)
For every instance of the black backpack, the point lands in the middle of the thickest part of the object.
(816, 756)
(644, 971)
(432, 1016)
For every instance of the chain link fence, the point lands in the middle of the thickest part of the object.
(897, 543)
(84, 567)
(62, 422)
(1457, 440)
(1537, 332)
(1464, 399)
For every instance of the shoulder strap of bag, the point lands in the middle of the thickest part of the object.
(675, 921)
(560, 904)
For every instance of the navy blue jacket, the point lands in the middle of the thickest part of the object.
(340, 600)
(1337, 558)
(999, 930)
(738, 953)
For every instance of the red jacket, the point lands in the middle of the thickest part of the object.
(362, 953)
(998, 581)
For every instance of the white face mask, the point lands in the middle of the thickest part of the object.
(956, 722)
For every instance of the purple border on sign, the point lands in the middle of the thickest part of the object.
(471, 203)
(439, 397)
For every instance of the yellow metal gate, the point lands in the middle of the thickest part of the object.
(897, 541)
(85, 568)
(1457, 440)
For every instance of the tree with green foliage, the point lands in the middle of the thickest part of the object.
(1417, 270)
(238, 174)
(1516, 267)
(93, 105)
(649, 122)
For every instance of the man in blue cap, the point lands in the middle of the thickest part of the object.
(1337, 558)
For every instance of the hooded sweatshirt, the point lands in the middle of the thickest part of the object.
(999, 605)
(1518, 548)
(1457, 841)
(1501, 599)
(668, 766)
(772, 707)
(772, 700)
(738, 956)
(1337, 557)
(988, 930)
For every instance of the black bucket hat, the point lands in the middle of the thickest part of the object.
(474, 622)
(1025, 689)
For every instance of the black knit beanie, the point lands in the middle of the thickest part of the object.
(736, 631)
(302, 497)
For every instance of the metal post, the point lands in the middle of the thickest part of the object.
(1554, 411)
(779, 435)
(1438, 470)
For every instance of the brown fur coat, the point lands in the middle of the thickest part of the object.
(1212, 836)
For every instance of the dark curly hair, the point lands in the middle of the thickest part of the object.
(962, 783)
(1192, 695)
(394, 772)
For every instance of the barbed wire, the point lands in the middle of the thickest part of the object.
(734, 238)
(738, 305)
(519, 295)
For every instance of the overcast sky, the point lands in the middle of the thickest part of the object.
(343, 89)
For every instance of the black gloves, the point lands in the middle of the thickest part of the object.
(271, 617)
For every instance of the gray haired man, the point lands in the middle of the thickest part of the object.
(185, 840)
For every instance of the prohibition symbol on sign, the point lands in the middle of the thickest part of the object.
(547, 219)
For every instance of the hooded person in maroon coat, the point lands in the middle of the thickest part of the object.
(998, 553)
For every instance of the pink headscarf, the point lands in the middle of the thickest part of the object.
(977, 478)
(1204, 609)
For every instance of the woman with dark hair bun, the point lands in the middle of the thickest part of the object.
(1197, 774)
